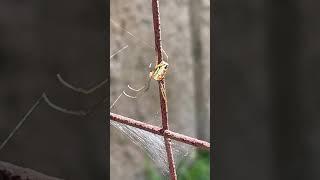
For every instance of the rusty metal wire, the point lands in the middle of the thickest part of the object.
(160, 131)
(162, 85)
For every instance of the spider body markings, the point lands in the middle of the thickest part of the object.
(159, 71)
(159, 74)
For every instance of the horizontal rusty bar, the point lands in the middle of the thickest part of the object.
(160, 131)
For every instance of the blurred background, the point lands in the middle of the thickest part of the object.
(266, 90)
(185, 31)
(39, 39)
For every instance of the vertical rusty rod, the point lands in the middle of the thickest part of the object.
(163, 101)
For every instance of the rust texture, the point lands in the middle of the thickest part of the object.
(163, 100)
(158, 130)
(12, 172)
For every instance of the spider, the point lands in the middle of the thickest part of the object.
(158, 73)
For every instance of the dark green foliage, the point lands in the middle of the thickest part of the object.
(199, 169)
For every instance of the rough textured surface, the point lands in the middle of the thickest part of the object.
(11, 172)
(131, 67)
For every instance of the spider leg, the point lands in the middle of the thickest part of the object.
(163, 92)
(137, 90)
(164, 52)
(81, 90)
(148, 85)
(61, 109)
(143, 88)
(133, 97)
(82, 112)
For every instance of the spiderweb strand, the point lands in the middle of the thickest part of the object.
(120, 50)
(142, 41)
(138, 39)
(36, 104)
(153, 145)
(115, 101)
(25, 117)
(45, 98)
